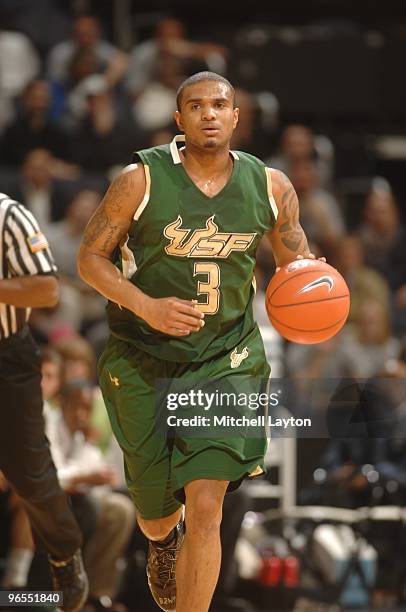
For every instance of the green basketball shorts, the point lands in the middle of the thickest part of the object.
(156, 409)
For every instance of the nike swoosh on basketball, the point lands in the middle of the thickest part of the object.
(323, 280)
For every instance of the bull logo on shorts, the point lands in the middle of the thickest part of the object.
(204, 242)
(237, 358)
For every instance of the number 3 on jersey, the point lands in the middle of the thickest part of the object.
(208, 288)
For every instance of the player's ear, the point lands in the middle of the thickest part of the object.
(178, 118)
(236, 115)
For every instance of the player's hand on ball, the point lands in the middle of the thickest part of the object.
(309, 256)
(174, 316)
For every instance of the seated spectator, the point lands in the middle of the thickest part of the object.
(160, 64)
(383, 236)
(51, 376)
(78, 302)
(86, 35)
(393, 396)
(33, 128)
(299, 143)
(19, 64)
(170, 39)
(365, 283)
(84, 77)
(369, 468)
(320, 213)
(367, 345)
(243, 138)
(38, 185)
(79, 361)
(104, 138)
(82, 470)
(346, 463)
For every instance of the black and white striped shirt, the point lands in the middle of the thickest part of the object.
(24, 251)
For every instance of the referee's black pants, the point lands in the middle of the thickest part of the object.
(24, 451)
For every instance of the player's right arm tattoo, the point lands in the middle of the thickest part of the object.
(107, 226)
(290, 230)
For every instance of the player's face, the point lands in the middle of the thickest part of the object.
(207, 115)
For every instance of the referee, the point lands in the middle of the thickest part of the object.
(27, 280)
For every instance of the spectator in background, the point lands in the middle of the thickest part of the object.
(19, 64)
(51, 375)
(33, 128)
(158, 66)
(78, 302)
(77, 356)
(298, 143)
(393, 396)
(369, 468)
(170, 39)
(84, 79)
(320, 213)
(368, 344)
(86, 37)
(243, 136)
(83, 471)
(359, 351)
(104, 139)
(79, 362)
(346, 463)
(45, 194)
(160, 137)
(383, 236)
(364, 282)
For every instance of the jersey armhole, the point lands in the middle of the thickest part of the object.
(145, 199)
(270, 194)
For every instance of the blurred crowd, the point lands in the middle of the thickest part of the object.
(70, 117)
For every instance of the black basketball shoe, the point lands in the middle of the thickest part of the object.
(69, 576)
(161, 568)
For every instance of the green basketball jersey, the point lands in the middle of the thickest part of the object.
(185, 244)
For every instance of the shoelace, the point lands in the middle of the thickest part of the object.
(63, 574)
(165, 561)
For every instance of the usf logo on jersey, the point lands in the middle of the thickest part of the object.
(205, 242)
(237, 358)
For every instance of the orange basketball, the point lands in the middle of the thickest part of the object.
(307, 301)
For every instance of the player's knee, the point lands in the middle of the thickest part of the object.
(204, 512)
(154, 529)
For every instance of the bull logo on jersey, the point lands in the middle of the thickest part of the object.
(206, 242)
(237, 358)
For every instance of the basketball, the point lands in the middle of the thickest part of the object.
(307, 301)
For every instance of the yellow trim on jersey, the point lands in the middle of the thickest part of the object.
(145, 199)
(270, 194)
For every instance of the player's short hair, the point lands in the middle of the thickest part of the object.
(197, 78)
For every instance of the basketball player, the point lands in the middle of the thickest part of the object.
(185, 224)
(27, 280)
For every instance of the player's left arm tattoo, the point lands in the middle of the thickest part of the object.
(289, 228)
(287, 238)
